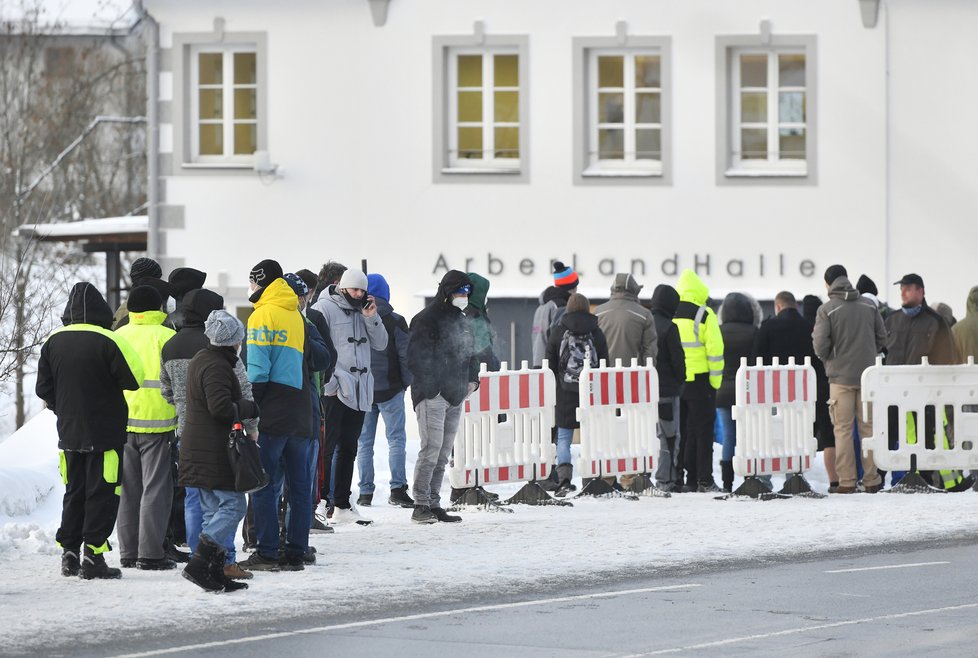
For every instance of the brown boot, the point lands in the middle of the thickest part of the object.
(235, 572)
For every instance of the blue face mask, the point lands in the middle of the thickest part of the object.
(913, 312)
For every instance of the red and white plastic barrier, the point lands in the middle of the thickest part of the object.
(504, 434)
(952, 391)
(775, 412)
(618, 411)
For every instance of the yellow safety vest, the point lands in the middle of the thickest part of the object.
(149, 413)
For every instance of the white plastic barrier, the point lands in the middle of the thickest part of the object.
(775, 412)
(504, 433)
(952, 392)
(618, 411)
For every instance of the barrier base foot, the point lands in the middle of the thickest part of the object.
(913, 483)
(479, 497)
(640, 483)
(598, 487)
(533, 494)
(797, 485)
(752, 487)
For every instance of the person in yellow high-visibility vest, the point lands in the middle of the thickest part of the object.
(702, 344)
(950, 479)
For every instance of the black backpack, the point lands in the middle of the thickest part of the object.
(573, 352)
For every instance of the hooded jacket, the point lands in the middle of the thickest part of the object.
(699, 331)
(628, 326)
(82, 372)
(441, 354)
(390, 367)
(552, 302)
(276, 336)
(354, 336)
(671, 362)
(909, 339)
(738, 332)
(182, 280)
(965, 331)
(483, 335)
(583, 323)
(848, 334)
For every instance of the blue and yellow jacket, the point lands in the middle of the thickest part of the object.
(276, 334)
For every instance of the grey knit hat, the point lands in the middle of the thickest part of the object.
(353, 278)
(222, 329)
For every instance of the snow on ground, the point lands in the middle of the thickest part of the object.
(361, 569)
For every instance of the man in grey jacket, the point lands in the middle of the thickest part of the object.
(848, 335)
(628, 326)
(356, 329)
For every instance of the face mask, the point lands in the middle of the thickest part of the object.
(460, 302)
(356, 303)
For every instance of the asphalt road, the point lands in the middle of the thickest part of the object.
(893, 601)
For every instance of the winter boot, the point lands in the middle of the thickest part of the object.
(155, 564)
(400, 497)
(365, 500)
(93, 566)
(218, 558)
(235, 572)
(423, 514)
(727, 473)
(444, 516)
(70, 566)
(552, 481)
(200, 569)
(565, 473)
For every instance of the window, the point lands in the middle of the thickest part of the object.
(767, 116)
(621, 110)
(224, 103)
(480, 109)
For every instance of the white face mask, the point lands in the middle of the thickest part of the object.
(460, 302)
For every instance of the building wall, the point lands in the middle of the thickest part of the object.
(350, 124)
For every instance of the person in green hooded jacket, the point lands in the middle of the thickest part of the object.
(483, 334)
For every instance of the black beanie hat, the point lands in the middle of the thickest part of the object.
(865, 284)
(143, 268)
(184, 279)
(144, 298)
(834, 272)
(265, 272)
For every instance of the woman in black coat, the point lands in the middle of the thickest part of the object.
(213, 392)
(579, 325)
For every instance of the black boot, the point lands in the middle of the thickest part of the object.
(399, 497)
(199, 570)
(70, 566)
(444, 516)
(565, 473)
(93, 566)
(727, 473)
(217, 567)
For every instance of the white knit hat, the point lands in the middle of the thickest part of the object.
(353, 278)
(223, 329)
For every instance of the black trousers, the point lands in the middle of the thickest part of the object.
(343, 427)
(697, 416)
(92, 484)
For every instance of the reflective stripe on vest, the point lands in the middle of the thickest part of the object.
(165, 424)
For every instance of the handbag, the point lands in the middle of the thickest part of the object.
(249, 475)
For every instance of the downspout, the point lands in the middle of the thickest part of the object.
(887, 133)
(153, 131)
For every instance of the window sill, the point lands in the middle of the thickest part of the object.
(480, 170)
(620, 173)
(765, 173)
(217, 165)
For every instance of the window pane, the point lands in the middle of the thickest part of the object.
(647, 108)
(470, 106)
(470, 143)
(245, 138)
(791, 70)
(470, 70)
(648, 144)
(647, 71)
(211, 68)
(507, 106)
(611, 71)
(211, 104)
(753, 70)
(212, 139)
(245, 104)
(792, 143)
(791, 107)
(507, 142)
(611, 108)
(506, 71)
(753, 107)
(245, 69)
(611, 144)
(753, 144)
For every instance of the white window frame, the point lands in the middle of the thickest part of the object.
(228, 87)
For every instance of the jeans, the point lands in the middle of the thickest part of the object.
(729, 427)
(194, 518)
(438, 423)
(565, 436)
(393, 412)
(297, 453)
(222, 512)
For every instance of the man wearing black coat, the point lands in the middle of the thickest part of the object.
(671, 368)
(441, 356)
(81, 374)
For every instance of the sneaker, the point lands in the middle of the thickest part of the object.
(127, 562)
(323, 511)
(293, 562)
(399, 497)
(235, 572)
(707, 487)
(70, 565)
(94, 567)
(423, 514)
(873, 488)
(350, 515)
(258, 562)
(318, 527)
(365, 500)
(155, 564)
(444, 516)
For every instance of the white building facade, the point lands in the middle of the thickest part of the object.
(755, 141)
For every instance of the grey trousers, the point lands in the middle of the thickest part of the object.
(438, 424)
(669, 472)
(147, 495)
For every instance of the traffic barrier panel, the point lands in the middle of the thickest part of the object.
(775, 412)
(505, 429)
(618, 411)
(938, 401)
